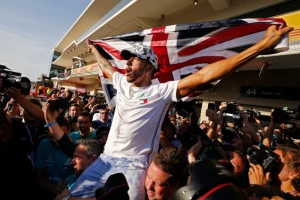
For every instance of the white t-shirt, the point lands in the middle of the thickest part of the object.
(138, 117)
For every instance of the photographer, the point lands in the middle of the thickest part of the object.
(236, 159)
(18, 145)
(24, 103)
(249, 128)
(283, 125)
(31, 131)
(287, 174)
(237, 127)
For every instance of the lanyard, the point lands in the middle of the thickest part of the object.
(29, 134)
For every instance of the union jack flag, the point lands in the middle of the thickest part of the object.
(184, 49)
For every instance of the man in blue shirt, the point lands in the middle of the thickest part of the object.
(84, 123)
(103, 119)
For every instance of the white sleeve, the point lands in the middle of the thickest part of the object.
(168, 91)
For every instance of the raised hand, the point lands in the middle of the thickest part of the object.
(50, 115)
(194, 151)
(212, 115)
(92, 48)
(273, 35)
(257, 176)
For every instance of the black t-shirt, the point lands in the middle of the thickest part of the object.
(16, 168)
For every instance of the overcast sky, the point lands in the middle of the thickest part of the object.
(30, 29)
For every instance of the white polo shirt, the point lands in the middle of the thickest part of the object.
(138, 117)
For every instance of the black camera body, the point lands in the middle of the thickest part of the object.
(252, 113)
(231, 114)
(232, 107)
(59, 103)
(282, 115)
(228, 134)
(190, 138)
(14, 79)
(11, 82)
(269, 160)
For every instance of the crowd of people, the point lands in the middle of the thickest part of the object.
(151, 145)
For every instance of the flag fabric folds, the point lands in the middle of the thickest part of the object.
(183, 49)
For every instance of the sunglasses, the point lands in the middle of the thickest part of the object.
(104, 113)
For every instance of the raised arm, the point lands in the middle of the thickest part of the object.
(36, 112)
(103, 63)
(220, 69)
(50, 117)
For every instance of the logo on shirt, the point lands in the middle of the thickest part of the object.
(143, 101)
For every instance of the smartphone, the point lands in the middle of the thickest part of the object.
(211, 106)
(59, 103)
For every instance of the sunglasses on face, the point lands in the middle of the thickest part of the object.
(104, 113)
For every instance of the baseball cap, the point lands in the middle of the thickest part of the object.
(141, 51)
(100, 135)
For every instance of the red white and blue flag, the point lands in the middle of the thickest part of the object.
(184, 49)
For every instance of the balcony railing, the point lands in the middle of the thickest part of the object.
(81, 71)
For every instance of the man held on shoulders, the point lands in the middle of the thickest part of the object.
(140, 110)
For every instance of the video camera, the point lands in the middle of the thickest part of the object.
(14, 79)
(269, 160)
(284, 114)
(231, 114)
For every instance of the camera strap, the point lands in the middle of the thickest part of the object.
(29, 134)
(32, 154)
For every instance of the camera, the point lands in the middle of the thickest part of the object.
(232, 107)
(14, 79)
(282, 115)
(59, 103)
(231, 116)
(228, 134)
(269, 160)
(252, 113)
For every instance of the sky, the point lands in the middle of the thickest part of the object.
(30, 29)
